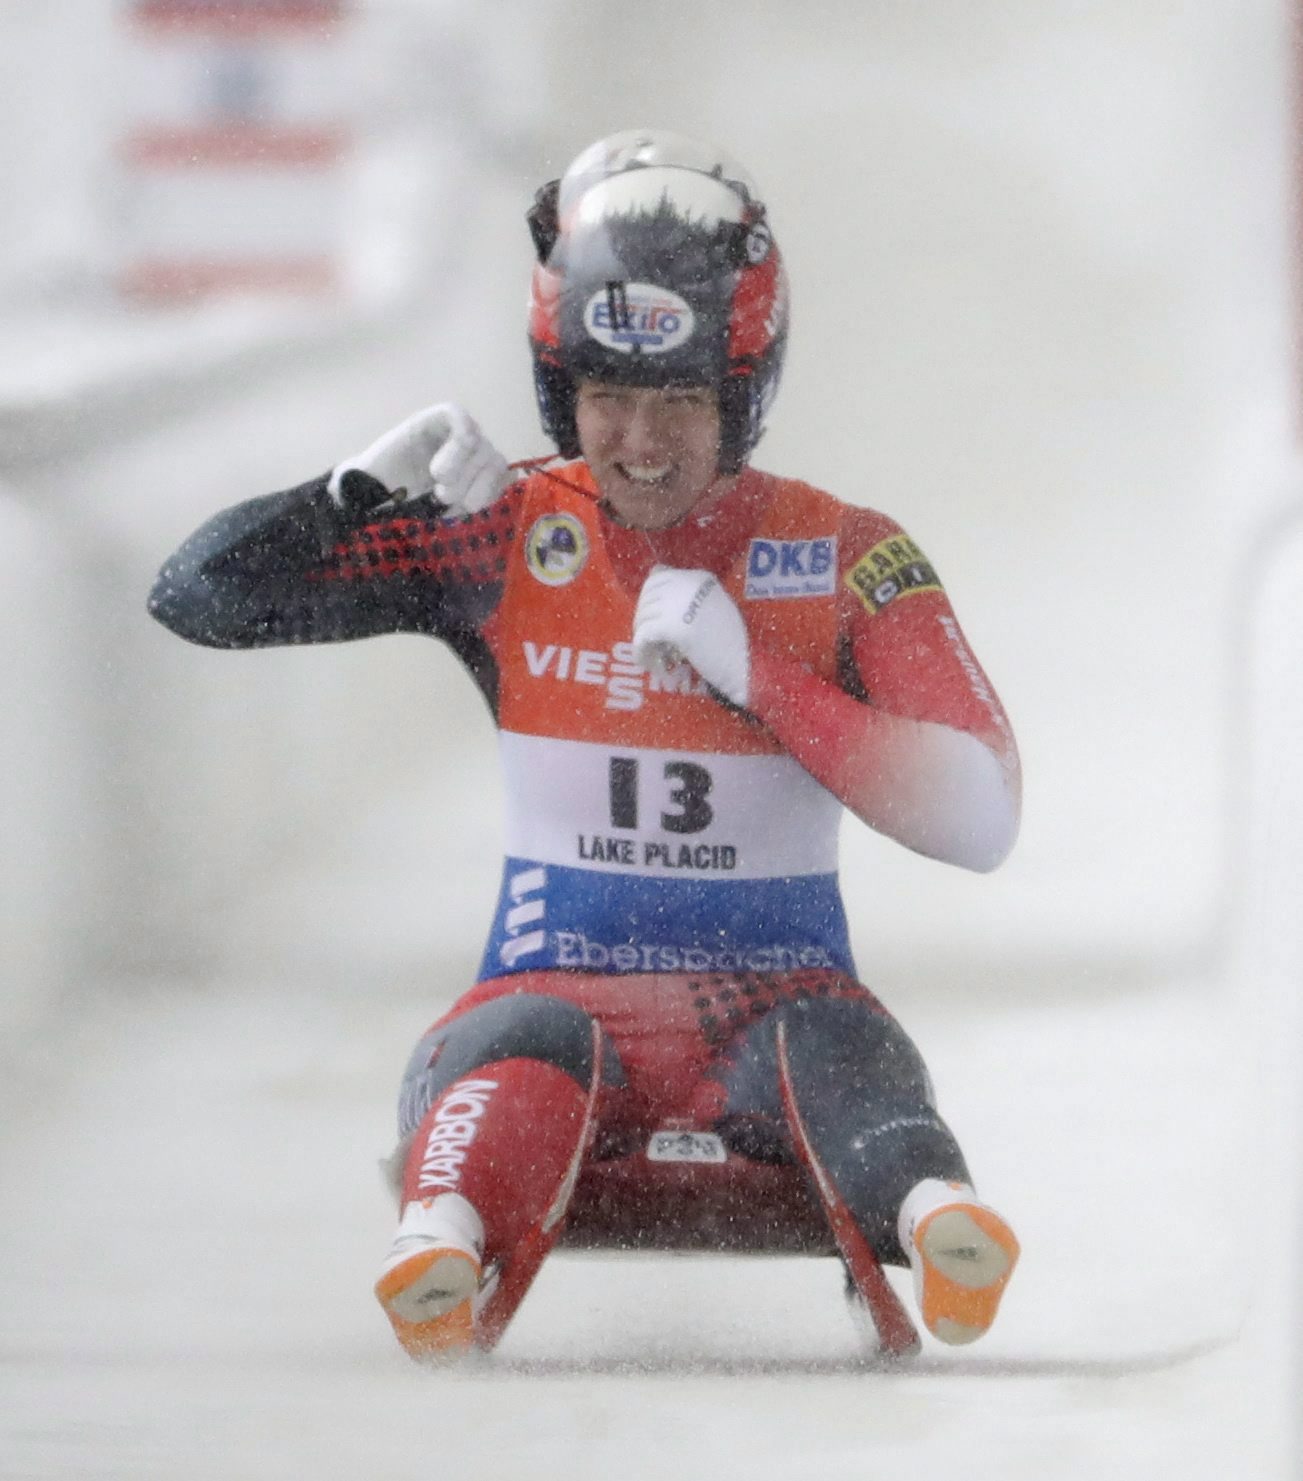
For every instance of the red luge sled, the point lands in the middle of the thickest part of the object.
(728, 1205)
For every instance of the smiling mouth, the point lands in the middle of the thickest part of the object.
(645, 476)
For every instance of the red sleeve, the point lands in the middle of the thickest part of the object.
(914, 739)
(908, 652)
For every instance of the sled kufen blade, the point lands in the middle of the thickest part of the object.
(896, 1334)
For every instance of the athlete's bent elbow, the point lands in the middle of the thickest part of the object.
(951, 798)
(992, 844)
(175, 605)
(991, 810)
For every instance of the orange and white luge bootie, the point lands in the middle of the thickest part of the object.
(962, 1254)
(431, 1276)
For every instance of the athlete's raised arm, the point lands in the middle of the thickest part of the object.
(408, 536)
(912, 738)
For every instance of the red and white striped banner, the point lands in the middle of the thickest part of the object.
(233, 156)
(243, 17)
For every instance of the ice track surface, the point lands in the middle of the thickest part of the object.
(192, 1226)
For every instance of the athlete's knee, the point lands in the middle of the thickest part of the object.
(856, 1045)
(865, 1100)
(837, 1050)
(518, 1026)
(862, 1089)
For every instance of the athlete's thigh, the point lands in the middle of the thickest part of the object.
(849, 1060)
(485, 1028)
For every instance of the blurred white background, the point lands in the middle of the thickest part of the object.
(1042, 314)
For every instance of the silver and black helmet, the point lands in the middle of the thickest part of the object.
(656, 267)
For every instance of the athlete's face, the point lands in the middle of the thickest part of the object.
(653, 451)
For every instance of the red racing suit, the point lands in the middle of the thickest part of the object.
(657, 836)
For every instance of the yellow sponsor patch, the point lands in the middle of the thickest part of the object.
(895, 567)
(556, 549)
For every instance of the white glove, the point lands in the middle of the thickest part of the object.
(439, 453)
(689, 615)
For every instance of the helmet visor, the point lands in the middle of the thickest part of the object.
(644, 149)
(652, 230)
